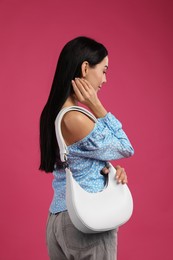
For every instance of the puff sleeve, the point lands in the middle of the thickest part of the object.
(107, 141)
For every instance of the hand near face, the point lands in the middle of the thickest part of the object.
(84, 92)
(86, 88)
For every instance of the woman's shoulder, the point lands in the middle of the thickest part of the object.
(76, 126)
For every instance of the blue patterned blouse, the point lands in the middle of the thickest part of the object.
(107, 141)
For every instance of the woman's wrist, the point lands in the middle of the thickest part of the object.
(98, 110)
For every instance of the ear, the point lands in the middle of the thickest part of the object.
(84, 68)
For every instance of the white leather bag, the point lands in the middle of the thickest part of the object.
(93, 212)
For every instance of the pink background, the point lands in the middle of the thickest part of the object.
(138, 35)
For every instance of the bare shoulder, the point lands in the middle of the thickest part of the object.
(76, 126)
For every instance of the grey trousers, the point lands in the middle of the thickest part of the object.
(65, 242)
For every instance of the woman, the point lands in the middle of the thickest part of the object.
(80, 73)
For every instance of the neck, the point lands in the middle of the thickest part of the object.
(71, 101)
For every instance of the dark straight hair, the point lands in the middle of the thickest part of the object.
(74, 53)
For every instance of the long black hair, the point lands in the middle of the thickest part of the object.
(74, 53)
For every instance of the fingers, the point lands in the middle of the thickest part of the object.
(81, 85)
(81, 89)
(77, 91)
(84, 92)
(121, 175)
(86, 84)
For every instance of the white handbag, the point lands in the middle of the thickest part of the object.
(93, 212)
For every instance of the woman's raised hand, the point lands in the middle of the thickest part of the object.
(86, 94)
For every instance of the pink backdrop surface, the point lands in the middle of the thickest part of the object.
(139, 91)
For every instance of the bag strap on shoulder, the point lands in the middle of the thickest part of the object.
(62, 146)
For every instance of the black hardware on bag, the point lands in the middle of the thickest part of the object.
(65, 165)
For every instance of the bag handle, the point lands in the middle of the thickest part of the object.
(62, 145)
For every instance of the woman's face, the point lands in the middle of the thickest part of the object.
(97, 75)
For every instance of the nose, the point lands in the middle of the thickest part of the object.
(104, 79)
